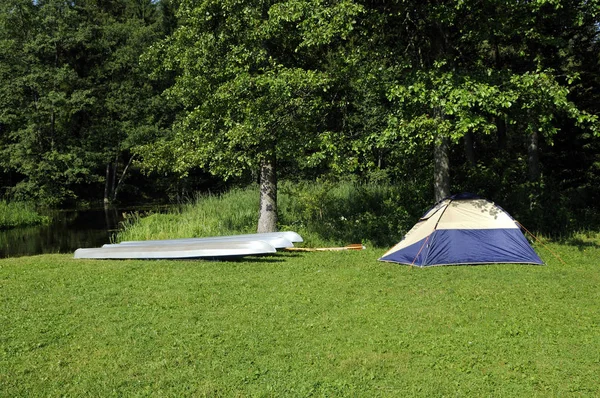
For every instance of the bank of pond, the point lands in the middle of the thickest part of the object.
(60, 231)
(325, 214)
(20, 214)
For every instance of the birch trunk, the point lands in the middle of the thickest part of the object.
(106, 185)
(469, 141)
(441, 161)
(267, 219)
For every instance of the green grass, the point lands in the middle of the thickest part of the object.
(324, 213)
(19, 214)
(235, 212)
(310, 324)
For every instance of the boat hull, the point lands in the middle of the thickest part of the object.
(276, 242)
(290, 236)
(178, 251)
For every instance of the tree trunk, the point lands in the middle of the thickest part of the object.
(106, 185)
(114, 175)
(441, 169)
(533, 160)
(469, 141)
(116, 187)
(267, 219)
(501, 133)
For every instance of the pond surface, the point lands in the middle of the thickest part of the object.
(69, 230)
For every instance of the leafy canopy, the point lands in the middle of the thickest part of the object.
(251, 80)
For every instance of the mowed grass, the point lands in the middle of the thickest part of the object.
(309, 324)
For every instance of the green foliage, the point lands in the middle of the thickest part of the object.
(72, 92)
(560, 202)
(41, 93)
(231, 213)
(348, 88)
(330, 213)
(19, 214)
(249, 80)
(321, 324)
(326, 213)
(432, 103)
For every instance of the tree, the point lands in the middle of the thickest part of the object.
(251, 82)
(73, 95)
(42, 94)
(129, 110)
(462, 74)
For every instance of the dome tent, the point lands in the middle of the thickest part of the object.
(463, 229)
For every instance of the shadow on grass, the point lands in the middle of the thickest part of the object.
(582, 244)
(268, 258)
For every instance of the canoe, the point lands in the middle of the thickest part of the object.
(277, 243)
(178, 251)
(287, 235)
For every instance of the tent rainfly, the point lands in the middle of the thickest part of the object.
(463, 229)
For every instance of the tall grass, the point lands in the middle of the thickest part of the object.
(234, 212)
(324, 213)
(19, 214)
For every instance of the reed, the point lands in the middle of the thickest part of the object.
(19, 214)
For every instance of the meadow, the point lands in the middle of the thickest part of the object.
(309, 324)
(322, 324)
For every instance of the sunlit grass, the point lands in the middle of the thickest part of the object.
(310, 324)
(234, 212)
(320, 324)
(324, 213)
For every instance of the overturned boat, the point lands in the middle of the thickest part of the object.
(209, 249)
(277, 241)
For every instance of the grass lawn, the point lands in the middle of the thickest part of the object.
(309, 324)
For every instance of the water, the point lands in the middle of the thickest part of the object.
(69, 231)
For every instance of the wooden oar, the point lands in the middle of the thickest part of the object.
(354, 246)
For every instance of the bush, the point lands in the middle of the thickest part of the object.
(344, 212)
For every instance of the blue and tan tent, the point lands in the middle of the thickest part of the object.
(463, 229)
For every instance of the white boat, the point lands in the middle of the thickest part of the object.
(277, 243)
(279, 240)
(179, 251)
